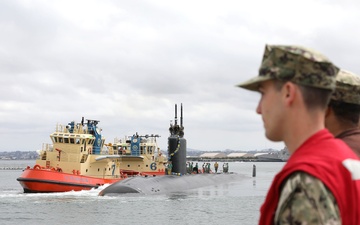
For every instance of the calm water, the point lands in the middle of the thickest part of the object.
(237, 202)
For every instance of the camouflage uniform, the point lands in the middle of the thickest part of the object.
(296, 64)
(304, 199)
(347, 88)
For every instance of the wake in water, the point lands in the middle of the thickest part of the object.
(71, 194)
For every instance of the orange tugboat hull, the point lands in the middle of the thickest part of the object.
(46, 181)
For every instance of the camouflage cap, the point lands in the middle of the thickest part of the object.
(347, 88)
(300, 65)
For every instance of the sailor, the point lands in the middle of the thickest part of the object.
(208, 168)
(319, 183)
(166, 168)
(195, 169)
(225, 167)
(203, 168)
(169, 168)
(342, 114)
(216, 166)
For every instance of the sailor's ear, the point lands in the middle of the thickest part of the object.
(289, 92)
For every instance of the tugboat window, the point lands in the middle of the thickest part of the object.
(142, 149)
(66, 140)
(60, 140)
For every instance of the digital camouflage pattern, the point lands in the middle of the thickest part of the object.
(305, 200)
(347, 88)
(300, 65)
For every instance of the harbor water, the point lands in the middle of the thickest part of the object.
(235, 202)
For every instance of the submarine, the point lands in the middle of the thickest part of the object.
(176, 178)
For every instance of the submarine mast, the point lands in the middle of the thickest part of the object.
(177, 145)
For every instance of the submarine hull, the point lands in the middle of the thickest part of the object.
(167, 184)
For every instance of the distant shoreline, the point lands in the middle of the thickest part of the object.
(197, 159)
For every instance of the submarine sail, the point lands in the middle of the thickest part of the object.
(177, 145)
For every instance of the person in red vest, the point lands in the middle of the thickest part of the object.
(320, 183)
(342, 115)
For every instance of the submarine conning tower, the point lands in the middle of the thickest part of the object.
(177, 145)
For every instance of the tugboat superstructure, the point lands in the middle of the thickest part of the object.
(140, 155)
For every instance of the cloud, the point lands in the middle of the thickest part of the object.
(127, 64)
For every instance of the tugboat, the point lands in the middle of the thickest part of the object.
(138, 155)
(78, 159)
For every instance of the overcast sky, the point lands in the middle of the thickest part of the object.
(126, 63)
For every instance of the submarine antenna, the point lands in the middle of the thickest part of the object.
(181, 130)
(175, 114)
(181, 116)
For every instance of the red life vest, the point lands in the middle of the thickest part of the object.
(331, 161)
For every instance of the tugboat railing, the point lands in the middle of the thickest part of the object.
(47, 147)
(78, 129)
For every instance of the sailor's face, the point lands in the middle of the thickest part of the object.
(271, 110)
